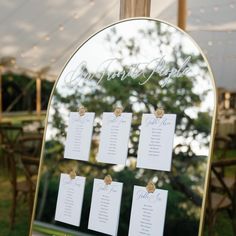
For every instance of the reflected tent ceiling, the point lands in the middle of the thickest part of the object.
(45, 33)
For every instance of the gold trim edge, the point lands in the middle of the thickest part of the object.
(213, 127)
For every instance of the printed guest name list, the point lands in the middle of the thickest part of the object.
(70, 199)
(114, 138)
(156, 142)
(148, 212)
(79, 135)
(105, 207)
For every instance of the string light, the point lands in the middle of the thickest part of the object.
(13, 61)
(210, 43)
(47, 37)
(76, 16)
(202, 10)
(75, 42)
(61, 28)
(208, 6)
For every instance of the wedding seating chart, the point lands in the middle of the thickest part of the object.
(114, 138)
(154, 152)
(148, 212)
(70, 199)
(156, 142)
(105, 207)
(78, 140)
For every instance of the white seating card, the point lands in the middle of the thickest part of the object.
(148, 212)
(79, 135)
(156, 142)
(105, 207)
(114, 138)
(70, 199)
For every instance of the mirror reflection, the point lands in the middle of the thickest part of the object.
(140, 65)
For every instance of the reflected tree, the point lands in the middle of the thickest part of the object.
(186, 180)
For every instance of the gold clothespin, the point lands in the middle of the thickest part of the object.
(159, 112)
(72, 174)
(151, 187)
(82, 110)
(118, 111)
(107, 180)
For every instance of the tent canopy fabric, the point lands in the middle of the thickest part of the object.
(43, 34)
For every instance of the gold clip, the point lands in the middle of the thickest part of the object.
(159, 112)
(72, 174)
(151, 187)
(107, 180)
(82, 110)
(118, 111)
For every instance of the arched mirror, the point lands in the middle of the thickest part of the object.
(138, 66)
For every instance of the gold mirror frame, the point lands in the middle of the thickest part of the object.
(212, 123)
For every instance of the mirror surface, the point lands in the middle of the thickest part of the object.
(140, 64)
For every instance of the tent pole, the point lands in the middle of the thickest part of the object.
(38, 96)
(134, 8)
(182, 10)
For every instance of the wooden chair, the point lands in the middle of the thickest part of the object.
(9, 135)
(22, 155)
(30, 157)
(9, 141)
(221, 196)
(221, 147)
(221, 144)
(40, 130)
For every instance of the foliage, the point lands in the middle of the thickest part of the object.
(19, 93)
(186, 179)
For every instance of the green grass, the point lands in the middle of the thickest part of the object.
(22, 224)
(223, 225)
